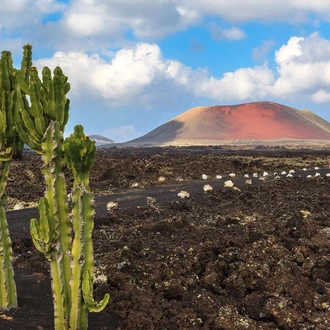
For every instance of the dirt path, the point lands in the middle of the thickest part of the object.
(18, 220)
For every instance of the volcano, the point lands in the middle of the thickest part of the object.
(256, 122)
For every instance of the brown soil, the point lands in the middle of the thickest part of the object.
(252, 257)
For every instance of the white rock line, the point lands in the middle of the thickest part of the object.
(228, 183)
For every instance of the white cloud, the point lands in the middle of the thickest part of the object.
(233, 33)
(155, 19)
(123, 80)
(321, 96)
(242, 84)
(141, 76)
(147, 19)
(18, 13)
(303, 67)
(292, 11)
(86, 25)
(290, 51)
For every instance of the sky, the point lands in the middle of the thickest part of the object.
(134, 65)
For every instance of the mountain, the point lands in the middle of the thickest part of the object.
(248, 123)
(101, 140)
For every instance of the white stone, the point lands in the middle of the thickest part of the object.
(304, 169)
(183, 194)
(255, 175)
(229, 184)
(316, 168)
(248, 181)
(232, 175)
(317, 174)
(246, 176)
(207, 187)
(161, 179)
(283, 173)
(292, 171)
(18, 206)
(289, 175)
(265, 174)
(112, 206)
(204, 176)
(135, 185)
(218, 177)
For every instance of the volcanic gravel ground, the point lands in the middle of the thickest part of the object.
(254, 256)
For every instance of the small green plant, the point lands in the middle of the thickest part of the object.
(64, 237)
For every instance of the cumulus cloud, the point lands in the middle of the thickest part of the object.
(156, 19)
(292, 11)
(147, 19)
(233, 33)
(23, 13)
(321, 96)
(94, 25)
(304, 67)
(140, 75)
(122, 79)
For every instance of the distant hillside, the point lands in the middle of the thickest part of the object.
(101, 140)
(255, 122)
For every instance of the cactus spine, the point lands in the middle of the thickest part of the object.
(64, 238)
(10, 145)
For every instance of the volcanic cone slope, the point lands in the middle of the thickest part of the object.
(244, 123)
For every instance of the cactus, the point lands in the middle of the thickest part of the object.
(68, 244)
(79, 157)
(10, 146)
(64, 238)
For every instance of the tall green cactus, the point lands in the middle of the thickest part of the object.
(64, 238)
(79, 157)
(10, 145)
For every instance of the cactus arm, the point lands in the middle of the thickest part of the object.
(56, 196)
(79, 156)
(87, 289)
(77, 262)
(8, 295)
(62, 87)
(26, 63)
(42, 233)
(88, 212)
(83, 210)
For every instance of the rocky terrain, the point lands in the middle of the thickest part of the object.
(252, 256)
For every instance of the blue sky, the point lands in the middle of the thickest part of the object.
(134, 65)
